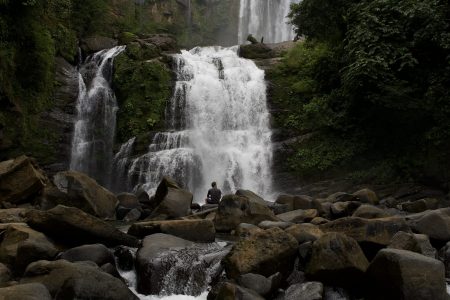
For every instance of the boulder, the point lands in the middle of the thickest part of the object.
(264, 252)
(132, 216)
(368, 211)
(5, 274)
(111, 269)
(319, 221)
(125, 259)
(256, 51)
(31, 291)
(164, 259)
(97, 43)
(375, 231)
(193, 230)
(165, 42)
(244, 230)
(251, 196)
(13, 215)
(81, 280)
(260, 284)
(299, 202)
(367, 196)
(231, 291)
(170, 201)
(272, 224)
(420, 205)
(86, 194)
(305, 291)
(337, 259)
(401, 274)
(74, 227)
(299, 215)
(128, 200)
(20, 179)
(418, 243)
(434, 223)
(22, 245)
(234, 210)
(344, 209)
(340, 197)
(305, 232)
(97, 253)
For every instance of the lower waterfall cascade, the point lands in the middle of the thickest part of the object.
(93, 137)
(218, 127)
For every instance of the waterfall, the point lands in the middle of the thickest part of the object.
(265, 19)
(218, 127)
(120, 164)
(93, 137)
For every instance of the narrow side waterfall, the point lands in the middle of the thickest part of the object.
(219, 127)
(265, 19)
(93, 139)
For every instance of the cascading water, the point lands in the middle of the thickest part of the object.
(219, 127)
(265, 19)
(93, 138)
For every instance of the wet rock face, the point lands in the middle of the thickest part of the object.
(86, 194)
(168, 265)
(337, 260)
(265, 252)
(72, 226)
(401, 274)
(97, 253)
(19, 180)
(80, 280)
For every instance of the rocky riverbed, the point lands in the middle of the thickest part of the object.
(60, 239)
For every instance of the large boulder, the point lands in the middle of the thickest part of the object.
(343, 209)
(252, 197)
(375, 231)
(299, 202)
(164, 260)
(20, 179)
(22, 245)
(196, 230)
(256, 51)
(418, 243)
(298, 215)
(420, 205)
(337, 259)
(434, 223)
(265, 252)
(74, 227)
(368, 211)
(305, 232)
(262, 285)
(401, 274)
(96, 43)
(30, 291)
(13, 215)
(86, 194)
(171, 201)
(367, 196)
(97, 253)
(5, 274)
(234, 210)
(81, 280)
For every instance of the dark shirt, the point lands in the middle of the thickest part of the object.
(214, 196)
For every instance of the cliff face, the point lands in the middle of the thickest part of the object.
(38, 58)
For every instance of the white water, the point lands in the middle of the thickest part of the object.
(120, 163)
(265, 19)
(219, 127)
(93, 137)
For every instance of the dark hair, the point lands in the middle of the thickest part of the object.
(213, 184)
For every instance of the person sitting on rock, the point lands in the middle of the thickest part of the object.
(214, 194)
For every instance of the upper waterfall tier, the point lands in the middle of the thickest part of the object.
(219, 127)
(93, 137)
(265, 19)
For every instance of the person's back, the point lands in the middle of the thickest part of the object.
(214, 195)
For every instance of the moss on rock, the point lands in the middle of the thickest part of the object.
(142, 88)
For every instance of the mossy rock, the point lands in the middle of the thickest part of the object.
(256, 51)
(126, 38)
(142, 88)
(141, 50)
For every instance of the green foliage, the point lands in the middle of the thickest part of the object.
(370, 81)
(142, 87)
